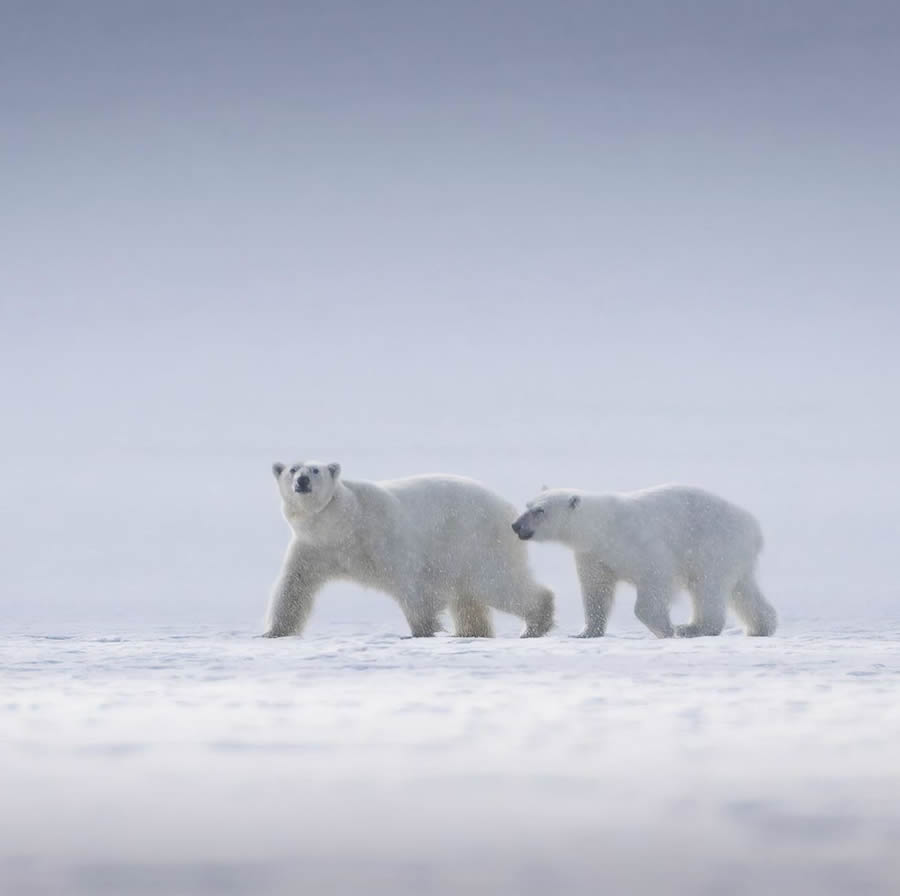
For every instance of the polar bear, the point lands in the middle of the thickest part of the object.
(659, 540)
(428, 541)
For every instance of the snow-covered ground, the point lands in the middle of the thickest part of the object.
(353, 760)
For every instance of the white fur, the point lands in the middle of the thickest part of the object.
(428, 541)
(660, 540)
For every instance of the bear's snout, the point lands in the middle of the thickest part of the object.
(521, 529)
(302, 484)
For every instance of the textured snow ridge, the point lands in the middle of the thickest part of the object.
(351, 761)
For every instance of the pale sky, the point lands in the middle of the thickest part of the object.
(598, 245)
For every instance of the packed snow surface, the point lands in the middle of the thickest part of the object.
(354, 760)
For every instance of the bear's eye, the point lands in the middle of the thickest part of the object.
(315, 471)
(293, 470)
(539, 511)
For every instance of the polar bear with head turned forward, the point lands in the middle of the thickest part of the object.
(431, 542)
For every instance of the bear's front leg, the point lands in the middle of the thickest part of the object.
(294, 592)
(598, 587)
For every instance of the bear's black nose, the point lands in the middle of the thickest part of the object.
(516, 526)
(302, 483)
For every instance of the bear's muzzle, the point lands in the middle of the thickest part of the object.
(521, 528)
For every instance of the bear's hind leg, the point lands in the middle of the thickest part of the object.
(539, 619)
(709, 614)
(515, 592)
(652, 608)
(757, 614)
(422, 609)
(421, 624)
(471, 618)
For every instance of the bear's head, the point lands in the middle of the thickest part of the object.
(306, 486)
(550, 516)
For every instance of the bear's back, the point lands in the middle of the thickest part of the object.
(441, 505)
(679, 510)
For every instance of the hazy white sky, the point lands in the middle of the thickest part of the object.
(602, 245)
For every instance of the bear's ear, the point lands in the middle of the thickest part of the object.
(335, 470)
(574, 501)
(277, 469)
(545, 487)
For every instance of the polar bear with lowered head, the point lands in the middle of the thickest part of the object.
(431, 542)
(660, 540)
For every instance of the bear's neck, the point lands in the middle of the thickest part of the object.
(321, 520)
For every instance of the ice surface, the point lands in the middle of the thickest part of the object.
(352, 760)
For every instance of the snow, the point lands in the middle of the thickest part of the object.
(201, 761)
